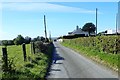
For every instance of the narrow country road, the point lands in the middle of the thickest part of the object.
(69, 64)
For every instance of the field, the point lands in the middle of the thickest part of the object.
(34, 68)
(103, 49)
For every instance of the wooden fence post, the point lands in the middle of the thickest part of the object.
(24, 51)
(4, 53)
(32, 48)
(116, 51)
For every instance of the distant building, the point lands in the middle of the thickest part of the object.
(110, 31)
(60, 40)
(80, 31)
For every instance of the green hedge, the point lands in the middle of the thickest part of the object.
(103, 49)
(107, 44)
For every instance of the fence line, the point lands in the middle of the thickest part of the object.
(5, 55)
(5, 58)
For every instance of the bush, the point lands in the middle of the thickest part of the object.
(40, 47)
(19, 40)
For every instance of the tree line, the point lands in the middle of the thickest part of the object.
(20, 40)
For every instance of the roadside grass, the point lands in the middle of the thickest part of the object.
(110, 60)
(34, 68)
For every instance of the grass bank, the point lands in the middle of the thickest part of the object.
(108, 59)
(34, 68)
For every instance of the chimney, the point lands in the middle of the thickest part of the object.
(77, 27)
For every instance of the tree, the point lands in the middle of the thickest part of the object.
(16, 42)
(89, 27)
(7, 42)
(42, 39)
(38, 38)
(19, 40)
(10, 42)
(34, 39)
(27, 40)
(4, 42)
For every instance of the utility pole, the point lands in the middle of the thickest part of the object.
(45, 27)
(49, 35)
(96, 20)
(116, 23)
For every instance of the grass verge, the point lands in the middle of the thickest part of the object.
(34, 68)
(109, 60)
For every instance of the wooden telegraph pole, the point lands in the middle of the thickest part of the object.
(96, 20)
(45, 27)
(116, 23)
(49, 35)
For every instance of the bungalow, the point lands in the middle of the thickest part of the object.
(79, 31)
(110, 32)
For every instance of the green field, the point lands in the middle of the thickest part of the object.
(35, 67)
(93, 47)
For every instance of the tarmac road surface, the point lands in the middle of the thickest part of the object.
(70, 64)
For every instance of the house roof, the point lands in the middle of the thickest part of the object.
(79, 31)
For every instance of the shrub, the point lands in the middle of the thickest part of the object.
(40, 47)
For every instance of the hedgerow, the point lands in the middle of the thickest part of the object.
(107, 44)
(103, 49)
